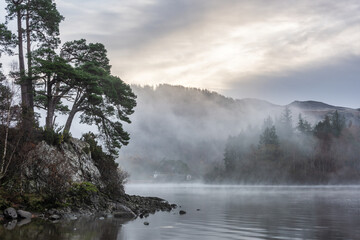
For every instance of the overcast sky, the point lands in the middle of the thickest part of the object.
(276, 50)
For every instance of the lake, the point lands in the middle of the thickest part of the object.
(221, 212)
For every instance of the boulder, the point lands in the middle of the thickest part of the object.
(24, 214)
(10, 213)
(54, 217)
(123, 212)
(182, 212)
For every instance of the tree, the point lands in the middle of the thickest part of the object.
(303, 125)
(331, 126)
(7, 40)
(81, 76)
(337, 123)
(117, 103)
(269, 144)
(42, 27)
(54, 77)
(322, 130)
(9, 116)
(285, 126)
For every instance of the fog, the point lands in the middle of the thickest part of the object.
(176, 126)
(191, 125)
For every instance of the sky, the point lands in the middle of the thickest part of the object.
(276, 50)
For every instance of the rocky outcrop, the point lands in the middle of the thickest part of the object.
(49, 165)
(81, 163)
(68, 170)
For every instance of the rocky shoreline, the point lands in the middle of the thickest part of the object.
(72, 180)
(126, 208)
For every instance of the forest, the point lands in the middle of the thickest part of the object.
(282, 153)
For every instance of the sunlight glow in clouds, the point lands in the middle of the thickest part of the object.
(246, 48)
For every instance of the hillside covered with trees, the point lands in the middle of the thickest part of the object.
(283, 153)
(201, 128)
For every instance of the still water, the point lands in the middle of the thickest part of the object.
(221, 212)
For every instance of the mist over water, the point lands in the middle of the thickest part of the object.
(254, 212)
(221, 212)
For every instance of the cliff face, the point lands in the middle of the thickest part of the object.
(55, 167)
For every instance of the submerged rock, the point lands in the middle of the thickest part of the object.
(146, 223)
(182, 212)
(10, 213)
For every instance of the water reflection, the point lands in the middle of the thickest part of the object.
(85, 228)
(226, 212)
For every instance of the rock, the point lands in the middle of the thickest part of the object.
(198, 209)
(10, 213)
(52, 211)
(173, 206)
(10, 225)
(24, 214)
(146, 223)
(73, 218)
(144, 214)
(123, 212)
(101, 218)
(54, 217)
(74, 164)
(182, 212)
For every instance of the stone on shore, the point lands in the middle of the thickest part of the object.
(54, 217)
(123, 212)
(10, 213)
(24, 214)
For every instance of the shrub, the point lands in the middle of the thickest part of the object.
(111, 175)
(55, 137)
(82, 192)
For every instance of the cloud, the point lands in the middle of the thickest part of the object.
(236, 40)
(218, 45)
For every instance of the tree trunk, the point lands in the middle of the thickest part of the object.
(50, 115)
(21, 60)
(50, 106)
(70, 119)
(29, 84)
(27, 108)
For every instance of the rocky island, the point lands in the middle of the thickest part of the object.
(68, 181)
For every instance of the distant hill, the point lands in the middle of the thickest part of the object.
(192, 125)
(315, 111)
